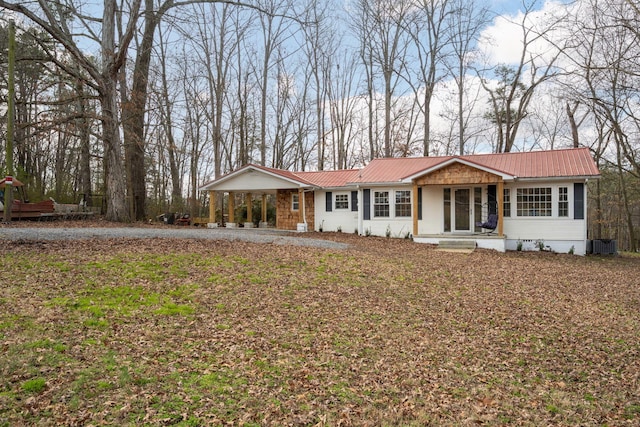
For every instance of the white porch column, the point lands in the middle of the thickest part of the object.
(415, 212)
(500, 198)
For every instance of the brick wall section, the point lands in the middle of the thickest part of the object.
(286, 219)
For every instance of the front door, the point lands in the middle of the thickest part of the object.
(462, 212)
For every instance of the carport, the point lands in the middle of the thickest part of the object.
(294, 207)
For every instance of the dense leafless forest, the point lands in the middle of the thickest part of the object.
(133, 104)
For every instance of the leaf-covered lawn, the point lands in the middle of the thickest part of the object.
(389, 332)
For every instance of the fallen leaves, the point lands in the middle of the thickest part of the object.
(387, 332)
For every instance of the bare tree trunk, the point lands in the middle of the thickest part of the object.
(243, 134)
(266, 61)
(217, 86)
(461, 127)
(465, 22)
(572, 123)
(373, 146)
(82, 124)
(429, 30)
(387, 114)
(133, 113)
(633, 247)
(167, 124)
(319, 50)
(367, 60)
(598, 210)
(114, 168)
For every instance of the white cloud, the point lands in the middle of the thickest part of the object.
(502, 41)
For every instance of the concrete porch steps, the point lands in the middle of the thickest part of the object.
(467, 245)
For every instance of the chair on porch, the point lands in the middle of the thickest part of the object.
(490, 224)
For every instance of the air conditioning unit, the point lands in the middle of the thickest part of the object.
(604, 247)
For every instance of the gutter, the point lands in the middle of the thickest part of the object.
(557, 178)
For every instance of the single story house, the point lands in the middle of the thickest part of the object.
(534, 199)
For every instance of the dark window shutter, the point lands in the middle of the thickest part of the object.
(492, 199)
(366, 204)
(578, 200)
(329, 204)
(419, 202)
(354, 201)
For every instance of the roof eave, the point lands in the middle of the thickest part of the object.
(249, 169)
(379, 184)
(556, 178)
(338, 187)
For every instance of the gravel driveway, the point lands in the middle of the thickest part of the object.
(276, 237)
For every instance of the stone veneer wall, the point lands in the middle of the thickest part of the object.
(286, 219)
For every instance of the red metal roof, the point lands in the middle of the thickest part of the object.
(328, 179)
(542, 164)
(338, 178)
(575, 162)
(395, 169)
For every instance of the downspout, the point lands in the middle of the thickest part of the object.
(304, 208)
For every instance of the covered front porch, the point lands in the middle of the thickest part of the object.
(454, 198)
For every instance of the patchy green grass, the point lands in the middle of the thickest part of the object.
(34, 385)
(388, 332)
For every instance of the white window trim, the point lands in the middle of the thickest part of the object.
(568, 201)
(395, 192)
(392, 204)
(389, 204)
(504, 202)
(555, 201)
(293, 202)
(335, 201)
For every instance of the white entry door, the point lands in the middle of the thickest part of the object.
(462, 212)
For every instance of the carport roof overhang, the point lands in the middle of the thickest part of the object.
(256, 180)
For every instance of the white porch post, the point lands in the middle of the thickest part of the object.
(415, 212)
(500, 198)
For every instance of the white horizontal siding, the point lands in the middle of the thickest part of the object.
(432, 211)
(382, 226)
(391, 225)
(577, 247)
(526, 228)
(344, 220)
(256, 180)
